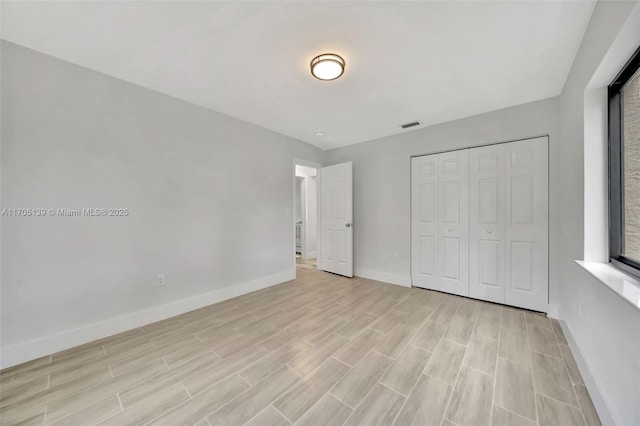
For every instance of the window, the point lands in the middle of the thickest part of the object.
(624, 167)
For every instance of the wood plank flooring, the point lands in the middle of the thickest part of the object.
(319, 350)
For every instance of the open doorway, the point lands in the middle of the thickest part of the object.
(305, 214)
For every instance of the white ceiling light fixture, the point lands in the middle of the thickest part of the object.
(327, 66)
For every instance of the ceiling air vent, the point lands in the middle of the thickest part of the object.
(412, 124)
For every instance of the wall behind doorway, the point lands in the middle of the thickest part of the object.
(309, 212)
(298, 199)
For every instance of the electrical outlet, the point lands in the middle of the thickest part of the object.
(160, 280)
(396, 257)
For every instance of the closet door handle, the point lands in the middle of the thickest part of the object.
(450, 229)
(489, 231)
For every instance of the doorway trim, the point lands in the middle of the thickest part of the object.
(317, 166)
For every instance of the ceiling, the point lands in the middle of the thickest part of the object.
(405, 61)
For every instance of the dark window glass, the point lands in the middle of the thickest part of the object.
(624, 167)
(631, 167)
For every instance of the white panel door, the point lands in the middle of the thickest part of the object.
(336, 183)
(453, 222)
(487, 225)
(424, 217)
(527, 248)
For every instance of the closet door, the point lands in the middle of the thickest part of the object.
(487, 223)
(424, 218)
(453, 222)
(527, 237)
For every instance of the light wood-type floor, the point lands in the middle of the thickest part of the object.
(320, 350)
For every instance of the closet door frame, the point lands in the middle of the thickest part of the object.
(539, 307)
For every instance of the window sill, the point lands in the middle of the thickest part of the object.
(624, 285)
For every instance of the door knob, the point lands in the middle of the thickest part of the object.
(450, 229)
(489, 231)
(348, 225)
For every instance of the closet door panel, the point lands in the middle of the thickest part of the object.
(487, 226)
(480, 223)
(527, 240)
(424, 217)
(453, 222)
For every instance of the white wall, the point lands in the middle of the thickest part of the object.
(74, 138)
(381, 171)
(311, 215)
(298, 198)
(606, 336)
(309, 204)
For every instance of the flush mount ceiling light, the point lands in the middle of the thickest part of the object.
(327, 66)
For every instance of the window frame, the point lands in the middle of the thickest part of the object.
(616, 169)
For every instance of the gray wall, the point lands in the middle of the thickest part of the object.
(607, 333)
(209, 197)
(381, 171)
(298, 199)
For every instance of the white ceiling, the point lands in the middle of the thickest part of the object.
(405, 61)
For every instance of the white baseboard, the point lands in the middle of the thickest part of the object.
(597, 397)
(553, 311)
(37, 348)
(385, 277)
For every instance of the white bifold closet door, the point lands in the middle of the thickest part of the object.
(424, 221)
(440, 222)
(480, 223)
(527, 254)
(487, 216)
(453, 222)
